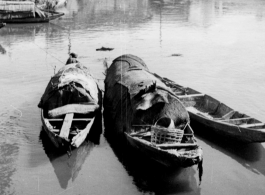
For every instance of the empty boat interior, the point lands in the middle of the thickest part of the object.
(210, 108)
(79, 122)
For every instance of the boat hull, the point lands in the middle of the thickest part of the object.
(55, 139)
(69, 106)
(2, 25)
(61, 142)
(232, 132)
(162, 156)
(135, 101)
(52, 16)
(210, 116)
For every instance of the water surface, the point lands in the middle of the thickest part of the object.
(220, 51)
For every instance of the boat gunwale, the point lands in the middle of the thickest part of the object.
(169, 159)
(239, 132)
(226, 121)
(54, 15)
(48, 127)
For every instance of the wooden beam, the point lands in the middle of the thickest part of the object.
(56, 130)
(251, 125)
(72, 108)
(65, 130)
(75, 119)
(229, 114)
(142, 134)
(179, 145)
(190, 96)
(235, 119)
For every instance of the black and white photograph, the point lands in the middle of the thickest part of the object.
(132, 97)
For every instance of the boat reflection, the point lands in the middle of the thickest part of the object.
(151, 177)
(28, 32)
(250, 156)
(68, 167)
(2, 50)
(82, 14)
(2, 25)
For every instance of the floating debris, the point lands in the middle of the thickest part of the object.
(104, 49)
(176, 54)
(2, 50)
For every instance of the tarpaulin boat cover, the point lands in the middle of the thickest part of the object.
(133, 95)
(72, 84)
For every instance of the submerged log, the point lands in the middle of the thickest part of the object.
(134, 96)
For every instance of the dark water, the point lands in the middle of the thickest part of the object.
(220, 51)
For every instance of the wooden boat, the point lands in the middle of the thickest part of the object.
(168, 153)
(2, 25)
(25, 12)
(217, 117)
(66, 168)
(52, 4)
(142, 111)
(69, 106)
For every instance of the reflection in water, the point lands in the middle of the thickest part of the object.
(251, 156)
(9, 149)
(68, 167)
(19, 32)
(205, 12)
(108, 13)
(2, 50)
(8, 153)
(150, 176)
(222, 45)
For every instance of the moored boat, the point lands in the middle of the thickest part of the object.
(51, 4)
(69, 106)
(2, 25)
(25, 12)
(216, 117)
(143, 111)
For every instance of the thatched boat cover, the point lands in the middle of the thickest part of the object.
(133, 95)
(17, 6)
(72, 84)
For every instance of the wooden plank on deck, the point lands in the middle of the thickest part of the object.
(251, 125)
(65, 130)
(73, 108)
(176, 145)
(75, 119)
(190, 96)
(236, 119)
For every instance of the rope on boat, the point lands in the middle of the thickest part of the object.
(238, 128)
(49, 53)
(185, 126)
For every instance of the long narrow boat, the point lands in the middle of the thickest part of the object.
(142, 110)
(217, 117)
(69, 106)
(25, 12)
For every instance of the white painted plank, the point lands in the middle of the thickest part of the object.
(66, 125)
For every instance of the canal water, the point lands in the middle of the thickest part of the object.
(214, 46)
